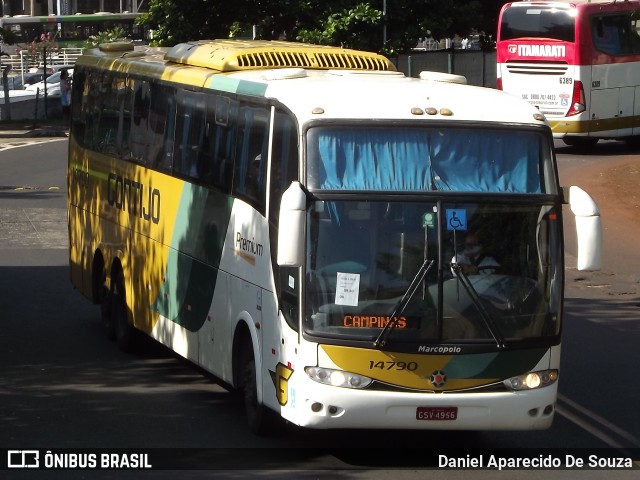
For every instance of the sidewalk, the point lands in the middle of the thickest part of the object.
(33, 131)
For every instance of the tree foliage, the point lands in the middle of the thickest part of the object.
(349, 23)
(113, 35)
(8, 37)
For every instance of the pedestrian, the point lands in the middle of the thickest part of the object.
(65, 92)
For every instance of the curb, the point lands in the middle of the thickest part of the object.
(33, 133)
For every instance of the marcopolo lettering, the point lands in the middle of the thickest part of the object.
(133, 197)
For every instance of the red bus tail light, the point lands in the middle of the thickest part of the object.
(499, 83)
(578, 102)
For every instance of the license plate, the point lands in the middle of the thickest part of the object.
(436, 413)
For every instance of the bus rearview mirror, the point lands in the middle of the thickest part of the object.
(588, 227)
(291, 230)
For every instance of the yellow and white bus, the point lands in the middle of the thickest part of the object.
(305, 222)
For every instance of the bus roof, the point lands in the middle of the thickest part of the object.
(316, 92)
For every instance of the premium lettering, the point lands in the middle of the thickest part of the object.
(248, 245)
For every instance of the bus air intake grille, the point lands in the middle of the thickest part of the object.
(537, 68)
(237, 55)
(274, 60)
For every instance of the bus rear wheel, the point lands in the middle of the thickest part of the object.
(580, 142)
(124, 331)
(104, 299)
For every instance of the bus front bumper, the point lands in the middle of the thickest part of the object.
(323, 407)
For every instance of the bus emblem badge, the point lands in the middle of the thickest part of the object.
(438, 378)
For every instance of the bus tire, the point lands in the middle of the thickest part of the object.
(102, 297)
(633, 142)
(580, 142)
(256, 412)
(124, 331)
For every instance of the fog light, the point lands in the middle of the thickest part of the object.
(316, 407)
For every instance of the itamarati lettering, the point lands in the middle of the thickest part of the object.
(133, 197)
(248, 245)
(542, 50)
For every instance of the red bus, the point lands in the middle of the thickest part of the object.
(578, 62)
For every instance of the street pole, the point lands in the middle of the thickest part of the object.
(384, 23)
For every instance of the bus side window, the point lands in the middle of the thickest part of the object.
(635, 35)
(107, 116)
(284, 170)
(220, 141)
(249, 176)
(78, 105)
(189, 134)
(284, 160)
(125, 118)
(611, 34)
(161, 121)
(139, 125)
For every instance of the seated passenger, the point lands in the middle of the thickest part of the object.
(473, 260)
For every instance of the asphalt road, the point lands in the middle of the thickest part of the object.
(63, 385)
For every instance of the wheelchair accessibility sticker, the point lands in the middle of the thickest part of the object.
(456, 219)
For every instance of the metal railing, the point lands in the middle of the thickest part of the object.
(22, 62)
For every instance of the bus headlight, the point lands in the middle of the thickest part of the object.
(531, 380)
(337, 378)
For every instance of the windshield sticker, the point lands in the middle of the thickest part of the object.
(456, 219)
(347, 289)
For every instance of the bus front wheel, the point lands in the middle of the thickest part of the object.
(256, 413)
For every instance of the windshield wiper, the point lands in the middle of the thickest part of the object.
(381, 341)
(475, 298)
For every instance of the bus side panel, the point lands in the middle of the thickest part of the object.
(216, 336)
(78, 268)
(636, 112)
(189, 268)
(77, 190)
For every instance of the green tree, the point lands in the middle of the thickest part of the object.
(7, 37)
(349, 23)
(114, 35)
(173, 22)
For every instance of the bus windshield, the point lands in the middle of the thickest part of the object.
(492, 274)
(418, 159)
(496, 275)
(538, 22)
